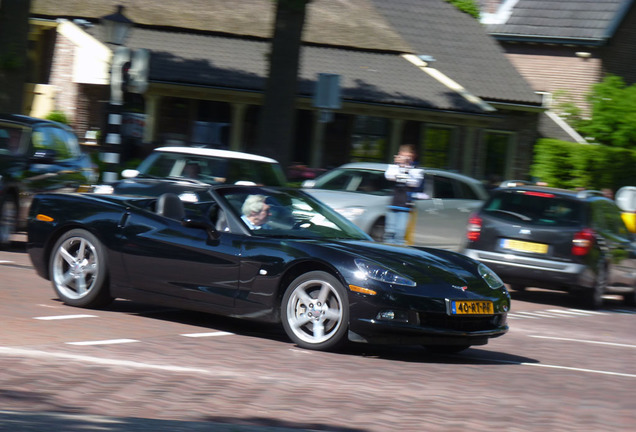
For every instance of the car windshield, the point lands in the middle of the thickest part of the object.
(536, 208)
(211, 169)
(355, 180)
(274, 212)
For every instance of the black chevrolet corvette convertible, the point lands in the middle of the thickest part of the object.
(267, 254)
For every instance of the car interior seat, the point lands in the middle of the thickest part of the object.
(170, 205)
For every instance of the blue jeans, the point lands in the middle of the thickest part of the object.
(395, 226)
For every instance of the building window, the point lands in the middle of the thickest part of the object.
(498, 155)
(435, 149)
(369, 139)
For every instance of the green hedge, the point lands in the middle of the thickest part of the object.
(571, 165)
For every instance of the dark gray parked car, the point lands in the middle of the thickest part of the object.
(36, 155)
(559, 239)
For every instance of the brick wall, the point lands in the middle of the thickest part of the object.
(62, 77)
(554, 68)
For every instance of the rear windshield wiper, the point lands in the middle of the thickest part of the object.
(518, 215)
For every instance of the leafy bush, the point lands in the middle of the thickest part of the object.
(613, 120)
(468, 6)
(58, 116)
(571, 165)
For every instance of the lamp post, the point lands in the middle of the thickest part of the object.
(116, 28)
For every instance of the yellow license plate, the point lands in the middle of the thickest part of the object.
(524, 246)
(471, 307)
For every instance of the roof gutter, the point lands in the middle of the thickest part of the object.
(517, 106)
(508, 37)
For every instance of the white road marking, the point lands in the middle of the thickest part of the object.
(63, 317)
(522, 315)
(103, 342)
(209, 334)
(574, 312)
(47, 355)
(591, 312)
(538, 314)
(601, 372)
(563, 313)
(215, 372)
(583, 341)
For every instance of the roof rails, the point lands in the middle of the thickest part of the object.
(514, 183)
(589, 193)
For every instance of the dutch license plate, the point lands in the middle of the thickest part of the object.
(524, 246)
(471, 307)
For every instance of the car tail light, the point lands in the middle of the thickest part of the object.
(582, 242)
(474, 227)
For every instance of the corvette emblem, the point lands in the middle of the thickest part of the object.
(463, 288)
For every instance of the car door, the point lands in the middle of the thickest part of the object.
(164, 257)
(442, 219)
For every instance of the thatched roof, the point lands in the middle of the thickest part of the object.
(352, 23)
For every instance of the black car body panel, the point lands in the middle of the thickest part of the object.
(38, 155)
(243, 273)
(532, 236)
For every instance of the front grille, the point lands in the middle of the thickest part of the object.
(460, 323)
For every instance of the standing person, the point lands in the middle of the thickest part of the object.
(407, 180)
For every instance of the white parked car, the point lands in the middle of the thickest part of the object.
(360, 192)
(175, 169)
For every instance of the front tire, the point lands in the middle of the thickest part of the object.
(78, 270)
(8, 219)
(315, 311)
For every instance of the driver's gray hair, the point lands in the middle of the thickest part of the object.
(253, 204)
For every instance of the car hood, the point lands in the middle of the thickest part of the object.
(155, 187)
(436, 269)
(347, 199)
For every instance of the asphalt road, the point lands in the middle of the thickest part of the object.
(134, 367)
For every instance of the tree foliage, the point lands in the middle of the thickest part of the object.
(613, 113)
(572, 165)
(468, 6)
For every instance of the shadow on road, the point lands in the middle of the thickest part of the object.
(558, 298)
(72, 422)
(275, 332)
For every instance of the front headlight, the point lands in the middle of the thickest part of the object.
(350, 212)
(376, 272)
(491, 278)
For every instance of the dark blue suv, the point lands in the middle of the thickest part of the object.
(36, 155)
(534, 236)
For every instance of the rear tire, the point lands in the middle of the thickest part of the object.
(377, 230)
(78, 270)
(593, 298)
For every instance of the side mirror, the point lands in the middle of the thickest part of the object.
(129, 173)
(44, 156)
(213, 234)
